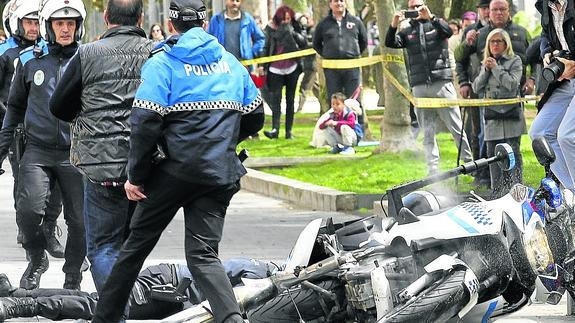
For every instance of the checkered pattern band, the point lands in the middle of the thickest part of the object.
(478, 212)
(198, 106)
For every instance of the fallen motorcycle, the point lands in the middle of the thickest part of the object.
(429, 260)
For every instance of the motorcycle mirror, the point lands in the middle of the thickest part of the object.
(543, 151)
(554, 298)
(506, 156)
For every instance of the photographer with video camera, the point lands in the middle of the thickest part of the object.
(556, 109)
(430, 75)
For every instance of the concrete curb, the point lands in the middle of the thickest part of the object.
(302, 194)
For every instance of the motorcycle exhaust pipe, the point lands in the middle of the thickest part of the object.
(317, 270)
(255, 292)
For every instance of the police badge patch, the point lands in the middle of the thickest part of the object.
(39, 77)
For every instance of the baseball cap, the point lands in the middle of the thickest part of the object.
(483, 3)
(187, 10)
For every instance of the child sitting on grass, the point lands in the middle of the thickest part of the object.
(341, 129)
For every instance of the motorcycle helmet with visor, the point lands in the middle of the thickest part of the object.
(21, 9)
(61, 9)
(6, 14)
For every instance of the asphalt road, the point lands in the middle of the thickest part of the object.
(256, 227)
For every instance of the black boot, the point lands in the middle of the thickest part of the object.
(72, 281)
(14, 307)
(289, 135)
(53, 246)
(272, 134)
(36, 267)
(6, 288)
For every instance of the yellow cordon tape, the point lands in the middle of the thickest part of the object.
(443, 103)
(273, 58)
(389, 58)
(327, 63)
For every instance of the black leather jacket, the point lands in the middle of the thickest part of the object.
(102, 79)
(34, 81)
(428, 54)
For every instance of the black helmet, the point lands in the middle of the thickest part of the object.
(187, 10)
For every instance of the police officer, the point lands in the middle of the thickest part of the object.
(20, 19)
(206, 104)
(45, 162)
(159, 291)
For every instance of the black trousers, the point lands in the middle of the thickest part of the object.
(275, 84)
(61, 304)
(345, 80)
(204, 212)
(41, 170)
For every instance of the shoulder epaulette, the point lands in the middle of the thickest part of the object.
(156, 50)
(35, 51)
(7, 44)
(165, 46)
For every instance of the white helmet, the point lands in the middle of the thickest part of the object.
(6, 13)
(61, 9)
(22, 9)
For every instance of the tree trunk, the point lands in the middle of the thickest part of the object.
(320, 10)
(440, 8)
(395, 126)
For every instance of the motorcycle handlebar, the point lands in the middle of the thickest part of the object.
(503, 153)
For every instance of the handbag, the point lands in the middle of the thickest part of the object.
(259, 80)
(505, 112)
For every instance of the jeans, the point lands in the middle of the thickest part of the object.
(450, 116)
(40, 170)
(555, 122)
(107, 213)
(204, 212)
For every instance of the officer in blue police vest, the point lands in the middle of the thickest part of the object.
(197, 101)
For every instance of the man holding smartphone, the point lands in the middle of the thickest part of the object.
(425, 39)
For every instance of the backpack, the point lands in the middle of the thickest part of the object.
(357, 128)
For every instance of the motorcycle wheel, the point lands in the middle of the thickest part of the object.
(437, 304)
(281, 309)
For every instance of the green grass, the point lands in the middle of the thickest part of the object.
(369, 173)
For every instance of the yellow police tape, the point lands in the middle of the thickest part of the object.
(327, 63)
(273, 58)
(389, 58)
(443, 103)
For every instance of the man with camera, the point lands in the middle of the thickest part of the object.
(556, 109)
(430, 75)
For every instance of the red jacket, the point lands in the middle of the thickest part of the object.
(346, 117)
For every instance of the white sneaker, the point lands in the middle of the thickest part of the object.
(348, 151)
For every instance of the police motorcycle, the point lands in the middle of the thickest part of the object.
(428, 261)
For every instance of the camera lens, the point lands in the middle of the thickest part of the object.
(553, 71)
